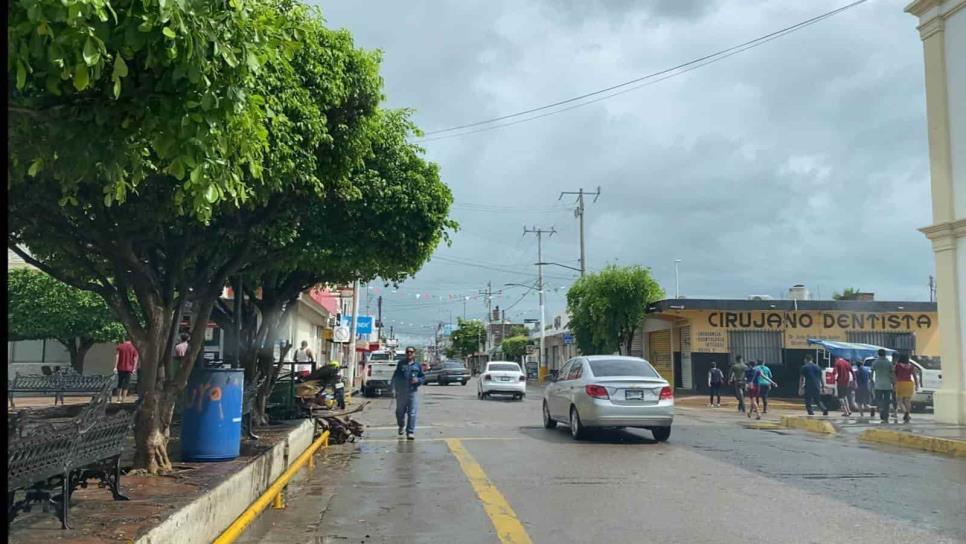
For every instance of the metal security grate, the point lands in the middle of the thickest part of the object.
(903, 342)
(756, 345)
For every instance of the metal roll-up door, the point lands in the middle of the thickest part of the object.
(659, 354)
(637, 344)
(903, 342)
(756, 345)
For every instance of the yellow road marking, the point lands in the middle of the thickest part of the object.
(508, 527)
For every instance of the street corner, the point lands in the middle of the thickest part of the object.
(914, 440)
(809, 423)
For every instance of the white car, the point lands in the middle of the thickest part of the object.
(502, 378)
(602, 391)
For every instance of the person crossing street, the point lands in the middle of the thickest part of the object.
(715, 377)
(405, 382)
(737, 380)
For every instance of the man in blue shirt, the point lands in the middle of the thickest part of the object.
(811, 386)
(406, 381)
(863, 388)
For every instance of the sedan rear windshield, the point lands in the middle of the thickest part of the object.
(504, 367)
(453, 366)
(622, 367)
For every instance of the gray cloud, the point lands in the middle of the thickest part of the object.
(801, 161)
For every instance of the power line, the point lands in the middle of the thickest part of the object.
(667, 73)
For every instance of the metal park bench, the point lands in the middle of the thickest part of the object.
(58, 384)
(46, 454)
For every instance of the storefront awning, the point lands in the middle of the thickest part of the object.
(849, 351)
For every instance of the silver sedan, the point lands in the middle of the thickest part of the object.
(609, 391)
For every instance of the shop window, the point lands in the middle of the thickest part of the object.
(757, 345)
(903, 342)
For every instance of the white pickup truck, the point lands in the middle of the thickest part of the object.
(930, 379)
(377, 377)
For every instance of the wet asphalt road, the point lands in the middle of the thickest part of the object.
(714, 481)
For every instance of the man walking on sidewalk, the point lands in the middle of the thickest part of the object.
(737, 380)
(843, 377)
(406, 381)
(715, 377)
(811, 386)
(883, 379)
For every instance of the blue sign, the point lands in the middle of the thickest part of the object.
(363, 324)
(568, 339)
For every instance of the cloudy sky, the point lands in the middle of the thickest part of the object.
(803, 160)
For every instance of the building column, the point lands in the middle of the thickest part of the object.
(942, 27)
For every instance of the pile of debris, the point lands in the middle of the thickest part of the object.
(341, 427)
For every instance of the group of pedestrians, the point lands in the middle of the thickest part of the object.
(858, 387)
(752, 382)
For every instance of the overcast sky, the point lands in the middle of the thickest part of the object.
(800, 161)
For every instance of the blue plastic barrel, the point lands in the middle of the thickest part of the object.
(212, 414)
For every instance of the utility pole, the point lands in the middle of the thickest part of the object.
(541, 362)
(579, 213)
(932, 289)
(352, 339)
(489, 302)
(677, 280)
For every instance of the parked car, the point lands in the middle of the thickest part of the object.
(377, 377)
(609, 391)
(502, 378)
(448, 372)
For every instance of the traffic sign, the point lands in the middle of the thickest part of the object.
(568, 339)
(341, 334)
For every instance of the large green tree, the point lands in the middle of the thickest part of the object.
(160, 189)
(386, 227)
(514, 347)
(40, 307)
(607, 307)
(468, 338)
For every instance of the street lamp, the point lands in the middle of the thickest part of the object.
(677, 279)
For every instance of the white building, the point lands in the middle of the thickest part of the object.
(942, 27)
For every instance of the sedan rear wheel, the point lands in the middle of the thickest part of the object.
(661, 434)
(577, 430)
(548, 422)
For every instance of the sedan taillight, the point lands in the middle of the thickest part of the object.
(523, 378)
(667, 393)
(597, 391)
(486, 377)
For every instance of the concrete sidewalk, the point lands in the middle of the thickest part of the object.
(921, 433)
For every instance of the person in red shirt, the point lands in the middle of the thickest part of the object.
(907, 383)
(125, 364)
(843, 377)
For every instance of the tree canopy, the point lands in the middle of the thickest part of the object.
(514, 347)
(607, 307)
(158, 148)
(40, 307)
(847, 294)
(468, 337)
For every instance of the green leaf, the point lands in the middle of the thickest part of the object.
(81, 77)
(211, 194)
(120, 67)
(35, 167)
(21, 75)
(169, 32)
(91, 52)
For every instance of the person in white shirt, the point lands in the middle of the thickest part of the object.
(304, 357)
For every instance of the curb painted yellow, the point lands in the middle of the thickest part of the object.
(807, 424)
(949, 446)
(272, 495)
(508, 527)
